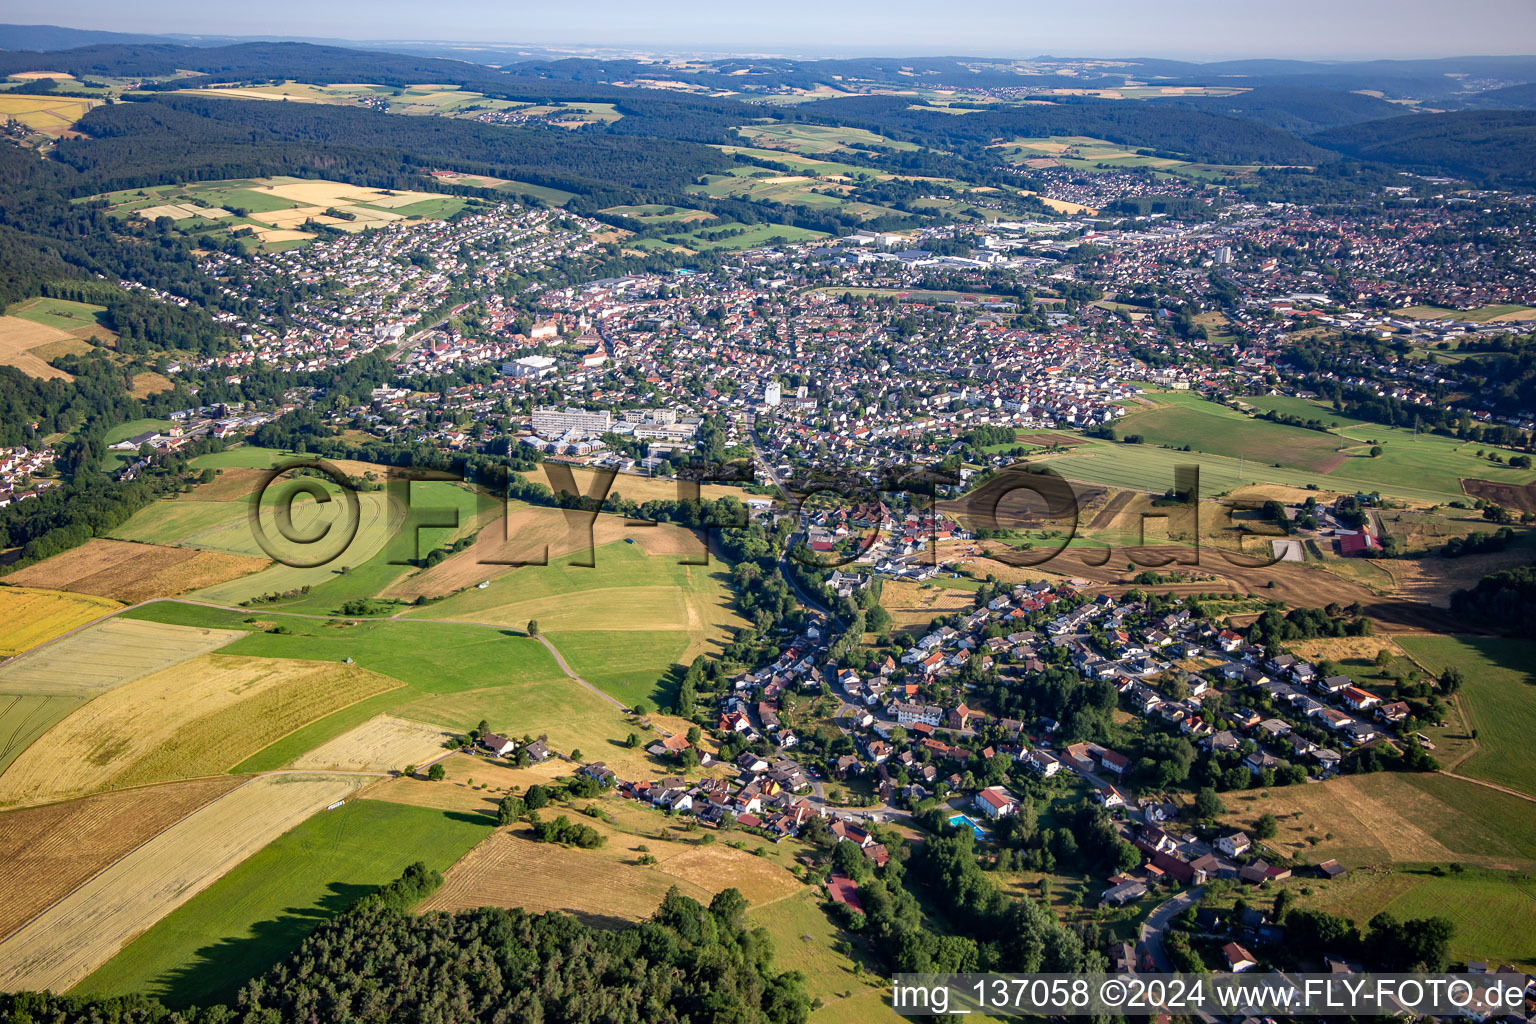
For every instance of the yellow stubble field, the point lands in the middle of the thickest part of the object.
(198, 718)
(59, 947)
(30, 616)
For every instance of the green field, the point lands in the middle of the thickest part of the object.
(628, 666)
(431, 658)
(373, 562)
(257, 914)
(1302, 407)
(182, 522)
(1481, 315)
(803, 940)
(60, 313)
(653, 213)
(247, 456)
(1237, 450)
(813, 139)
(1494, 911)
(1180, 419)
(133, 428)
(242, 199)
(750, 235)
(621, 624)
(435, 657)
(571, 716)
(1487, 823)
(1500, 697)
(26, 716)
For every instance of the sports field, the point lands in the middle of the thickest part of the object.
(258, 914)
(29, 616)
(197, 718)
(1500, 697)
(136, 572)
(59, 947)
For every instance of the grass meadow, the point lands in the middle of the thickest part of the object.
(1234, 450)
(1494, 912)
(1500, 697)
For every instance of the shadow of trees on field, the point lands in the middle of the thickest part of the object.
(215, 972)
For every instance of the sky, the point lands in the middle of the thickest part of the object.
(1188, 29)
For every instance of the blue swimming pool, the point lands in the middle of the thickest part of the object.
(977, 830)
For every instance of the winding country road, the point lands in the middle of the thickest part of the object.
(560, 660)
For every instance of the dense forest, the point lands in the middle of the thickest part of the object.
(49, 245)
(1194, 134)
(379, 964)
(1491, 148)
(167, 137)
(1291, 108)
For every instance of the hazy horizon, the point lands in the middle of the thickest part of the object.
(1179, 29)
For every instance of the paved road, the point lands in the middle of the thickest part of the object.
(1157, 922)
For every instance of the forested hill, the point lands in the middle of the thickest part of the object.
(1496, 148)
(169, 137)
(1193, 134)
(1513, 97)
(1291, 108)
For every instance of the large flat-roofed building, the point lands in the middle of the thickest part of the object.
(550, 421)
(529, 366)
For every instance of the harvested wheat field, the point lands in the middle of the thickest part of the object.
(603, 886)
(1389, 818)
(29, 617)
(914, 605)
(531, 534)
(231, 483)
(628, 485)
(717, 867)
(132, 573)
(49, 851)
(18, 339)
(58, 948)
(197, 718)
(471, 784)
(150, 383)
(1344, 648)
(510, 869)
(108, 654)
(291, 694)
(1280, 492)
(379, 744)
